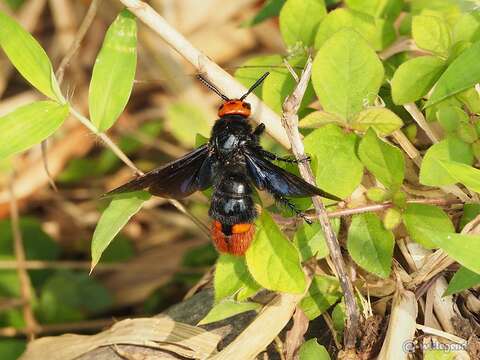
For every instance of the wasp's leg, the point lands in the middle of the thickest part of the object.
(298, 212)
(272, 156)
(259, 129)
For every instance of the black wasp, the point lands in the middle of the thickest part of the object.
(232, 162)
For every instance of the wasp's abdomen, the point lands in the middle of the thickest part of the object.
(233, 211)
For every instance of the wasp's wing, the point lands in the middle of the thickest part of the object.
(176, 179)
(267, 176)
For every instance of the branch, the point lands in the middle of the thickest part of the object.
(25, 284)
(290, 123)
(82, 31)
(223, 80)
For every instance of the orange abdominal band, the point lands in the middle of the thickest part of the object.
(234, 107)
(237, 243)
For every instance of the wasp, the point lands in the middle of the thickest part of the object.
(232, 162)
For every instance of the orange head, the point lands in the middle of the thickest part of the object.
(235, 107)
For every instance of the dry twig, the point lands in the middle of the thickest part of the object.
(290, 122)
(224, 81)
(25, 285)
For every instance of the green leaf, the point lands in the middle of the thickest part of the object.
(317, 119)
(113, 72)
(392, 219)
(382, 120)
(299, 20)
(28, 57)
(467, 28)
(447, 163)
(471, 99)
(419, 217)
(231, 277)
(383, 160)
(185, 121)
(226, 309)
(341, 19)
(273, 260)
(370, 245)
(339, 317)
(310, 240)
(311, 350)
(113, 219)
(414, 78)
(270, 9)
(69, 296)
(470, 212)
(455, 78)
(346, 74)
(11, 349)
(462, 280)
(433, 354)
(378, 8)
(450, 117)
(465, 249)
(29, 125)
(431, 33)
(336, 166)
(322, 294)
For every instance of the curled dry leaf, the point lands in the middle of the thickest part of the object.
(159, 333)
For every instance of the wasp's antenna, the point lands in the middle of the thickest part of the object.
(254, 86)
(212, 87)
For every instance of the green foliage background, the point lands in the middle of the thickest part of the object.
(388, 76)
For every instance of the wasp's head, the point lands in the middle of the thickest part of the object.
(235, 107)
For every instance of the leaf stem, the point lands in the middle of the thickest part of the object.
(116, 150)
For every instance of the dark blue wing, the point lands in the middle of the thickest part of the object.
(176, 179)
(267, 176)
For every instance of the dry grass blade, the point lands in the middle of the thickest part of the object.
(159, 333)
(402, 326)
(256, 337)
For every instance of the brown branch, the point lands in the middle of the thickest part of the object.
(82, 31)
(223, 80)
(290, 123)
(19, 250)
(389, 204)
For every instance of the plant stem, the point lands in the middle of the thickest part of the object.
(290, 123)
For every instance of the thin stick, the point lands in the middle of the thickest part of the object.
(116, 150)
(398, 46)
(290, 123)
(25, 284)
(82, 31)
(215, 74)
(387, 205)
(417, 115)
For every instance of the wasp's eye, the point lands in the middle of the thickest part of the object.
(246, 105)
